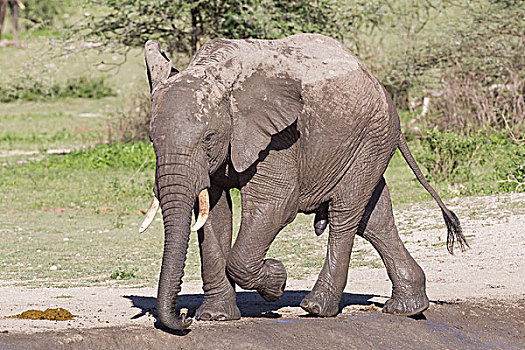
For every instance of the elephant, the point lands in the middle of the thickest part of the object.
(298, 125)
(15, 5)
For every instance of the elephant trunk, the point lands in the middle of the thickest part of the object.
(178, 188)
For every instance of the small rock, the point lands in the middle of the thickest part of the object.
(53, 268)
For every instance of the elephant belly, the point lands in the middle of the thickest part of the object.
(343, 117)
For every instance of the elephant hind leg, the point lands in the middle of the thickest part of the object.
(324, 298)
(344, 214)
(345, 211)
(408, 279)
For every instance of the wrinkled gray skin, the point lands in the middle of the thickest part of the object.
(298, 125)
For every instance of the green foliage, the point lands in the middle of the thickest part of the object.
(447, 156)
(37, 89)
(120, 155)
(83, 87)
(28, 89)
(470, 63)
(480, 163)
(42, 13)
(123, 273)
(184, 25)
(105, 178)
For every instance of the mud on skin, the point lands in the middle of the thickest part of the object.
(298, 125)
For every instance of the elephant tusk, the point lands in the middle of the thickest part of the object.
(150, 215)
(204, 210)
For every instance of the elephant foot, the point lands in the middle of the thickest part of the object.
(406, 304)
(321, 303)
(219, 310)
(274, 277)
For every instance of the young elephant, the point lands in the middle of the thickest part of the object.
(298, 125)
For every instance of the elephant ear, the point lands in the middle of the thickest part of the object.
(262, 106)
(158, 64)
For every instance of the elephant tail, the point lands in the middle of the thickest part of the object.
(452, 221)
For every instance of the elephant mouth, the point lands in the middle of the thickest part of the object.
(204, 212)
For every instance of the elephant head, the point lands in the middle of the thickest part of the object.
(199, 122)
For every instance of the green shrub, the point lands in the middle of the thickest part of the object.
(83, 87)
(122, 273)
(38, 89)
(119, 155)
(42, 13)
(481, 163)
(448, 156)
(131, 124)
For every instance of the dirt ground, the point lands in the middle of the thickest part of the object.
(478, 300)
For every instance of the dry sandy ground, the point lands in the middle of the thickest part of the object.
(486, 282)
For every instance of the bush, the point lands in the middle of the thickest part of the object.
(132, 123)
(184, 25)
(38, 89)
(122, 273)
(482, 164)
(119, 155)
(470, 63)
(483, 71)
(83, 87)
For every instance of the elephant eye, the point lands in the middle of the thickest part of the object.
(208, 137)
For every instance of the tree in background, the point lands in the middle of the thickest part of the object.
(42, 13)
(37, 13)
(185, 25)
(464, 57)
(14, 5)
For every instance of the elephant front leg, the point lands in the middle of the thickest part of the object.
(269, 203)
(247, 265)
(215, 242)
(408, 279)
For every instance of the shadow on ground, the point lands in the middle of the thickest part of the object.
(475, 324)
(251, 304)
(478, 324)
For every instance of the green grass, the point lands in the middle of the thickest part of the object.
(73, 219)
(404, 187)
(87, 248)
(80, 213)
(29, 89)
(40, 132)
(115, 178)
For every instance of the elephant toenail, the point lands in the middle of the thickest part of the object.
(205, 317)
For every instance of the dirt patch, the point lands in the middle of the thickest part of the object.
(58, 314)
(480, 324)
(477, 299)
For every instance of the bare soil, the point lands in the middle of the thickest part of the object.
(478, 299)
(480, 324)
